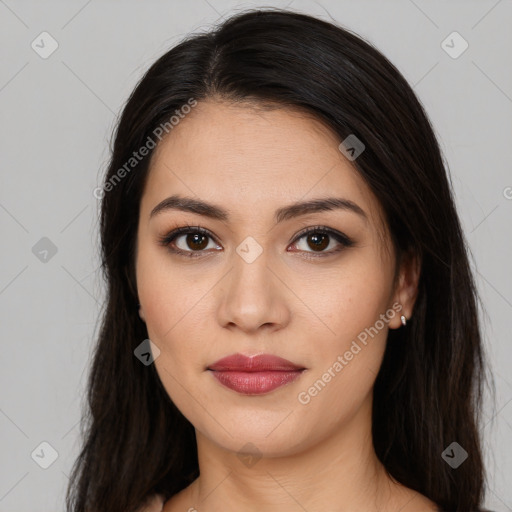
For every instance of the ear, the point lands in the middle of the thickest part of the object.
(141, 314)
(406, 288)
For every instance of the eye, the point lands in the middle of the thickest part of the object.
(320, 238)
(194, 241)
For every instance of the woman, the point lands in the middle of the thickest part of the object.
(277, 220)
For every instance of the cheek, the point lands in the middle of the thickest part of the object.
(349, 346)
(173, 311)
(170, 298)
(345, 366)
(352, 298)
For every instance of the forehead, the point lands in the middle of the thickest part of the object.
(251, 159)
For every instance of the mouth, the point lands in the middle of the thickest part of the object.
(254, 375)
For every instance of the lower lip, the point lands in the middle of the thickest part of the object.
(255, 383)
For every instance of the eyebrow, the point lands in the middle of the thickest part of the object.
(199, 207)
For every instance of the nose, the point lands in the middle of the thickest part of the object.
(254, 296)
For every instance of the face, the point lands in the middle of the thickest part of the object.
(251, 282)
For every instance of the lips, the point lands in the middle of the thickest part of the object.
(259, 363)
(254, 375)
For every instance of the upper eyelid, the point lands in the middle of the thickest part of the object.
(319, 228)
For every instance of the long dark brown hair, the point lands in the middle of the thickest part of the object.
(429, 391)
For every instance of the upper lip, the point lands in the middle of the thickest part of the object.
(257, 363)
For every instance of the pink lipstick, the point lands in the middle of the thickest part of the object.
(254, 375)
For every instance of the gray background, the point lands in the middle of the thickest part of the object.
(57, 116)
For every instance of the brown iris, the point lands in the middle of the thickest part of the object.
(320, 241)
(194, 241)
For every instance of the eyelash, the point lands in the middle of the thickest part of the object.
(167, 239)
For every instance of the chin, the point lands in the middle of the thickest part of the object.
(269, 439)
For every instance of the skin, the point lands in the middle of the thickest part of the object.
(318, 455)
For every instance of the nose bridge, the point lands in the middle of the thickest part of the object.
(252, 296)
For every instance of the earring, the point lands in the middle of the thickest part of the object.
(403, 320)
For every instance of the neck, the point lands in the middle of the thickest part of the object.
(339, 473)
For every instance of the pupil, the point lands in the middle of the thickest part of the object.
(319, 244)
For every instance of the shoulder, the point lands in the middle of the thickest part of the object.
(155, 503)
